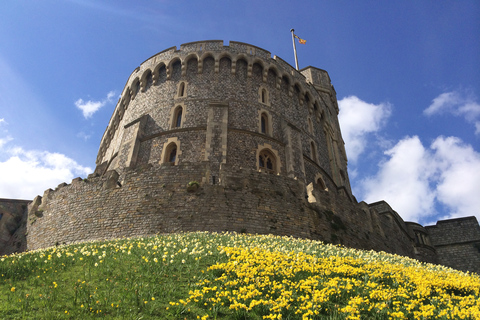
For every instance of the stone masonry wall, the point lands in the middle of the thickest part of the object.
(457, 242)
(223, 93)
(154, 199)
(231, 76)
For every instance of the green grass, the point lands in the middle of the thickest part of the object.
(155, 277)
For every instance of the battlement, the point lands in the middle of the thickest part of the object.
(215, 137)
(160, 198)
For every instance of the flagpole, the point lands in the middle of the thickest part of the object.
(294, 48)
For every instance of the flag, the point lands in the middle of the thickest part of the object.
(301, 41)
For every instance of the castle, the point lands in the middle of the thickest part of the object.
(226, 138)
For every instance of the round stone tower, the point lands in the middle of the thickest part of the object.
(215, 138)
(225, 138)
(228, 106)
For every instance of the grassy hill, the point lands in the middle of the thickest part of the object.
(229, 276)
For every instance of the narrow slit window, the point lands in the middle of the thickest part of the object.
(178, 117)
(181, 89)
(264, 123)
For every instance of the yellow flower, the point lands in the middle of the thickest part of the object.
(13, 289)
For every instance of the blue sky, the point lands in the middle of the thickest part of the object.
(406, 73)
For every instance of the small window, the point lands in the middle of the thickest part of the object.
(263, 96)
(266, 161)
(419, 238)
(172, 155)
(264, 123)
(181, 89)
(321, 183)
(178, 117)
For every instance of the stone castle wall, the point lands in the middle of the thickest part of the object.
(226, 90)
(457, 242)
(225, 138)
(155, 199)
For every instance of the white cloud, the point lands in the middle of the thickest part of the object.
(414, 179)
(110, 96)
(444, 102)
(460, 104)
(403, 180)
(26, 174)
(90, 107)
(359, 120)
(459, 182)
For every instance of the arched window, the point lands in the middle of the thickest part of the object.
(321, 183)
(263, 96)
(171, 154)
(264, 123)
(178, 117)
(266, 161)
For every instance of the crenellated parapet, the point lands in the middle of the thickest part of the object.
(214, 137)
(167, 198)
(298, 109)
